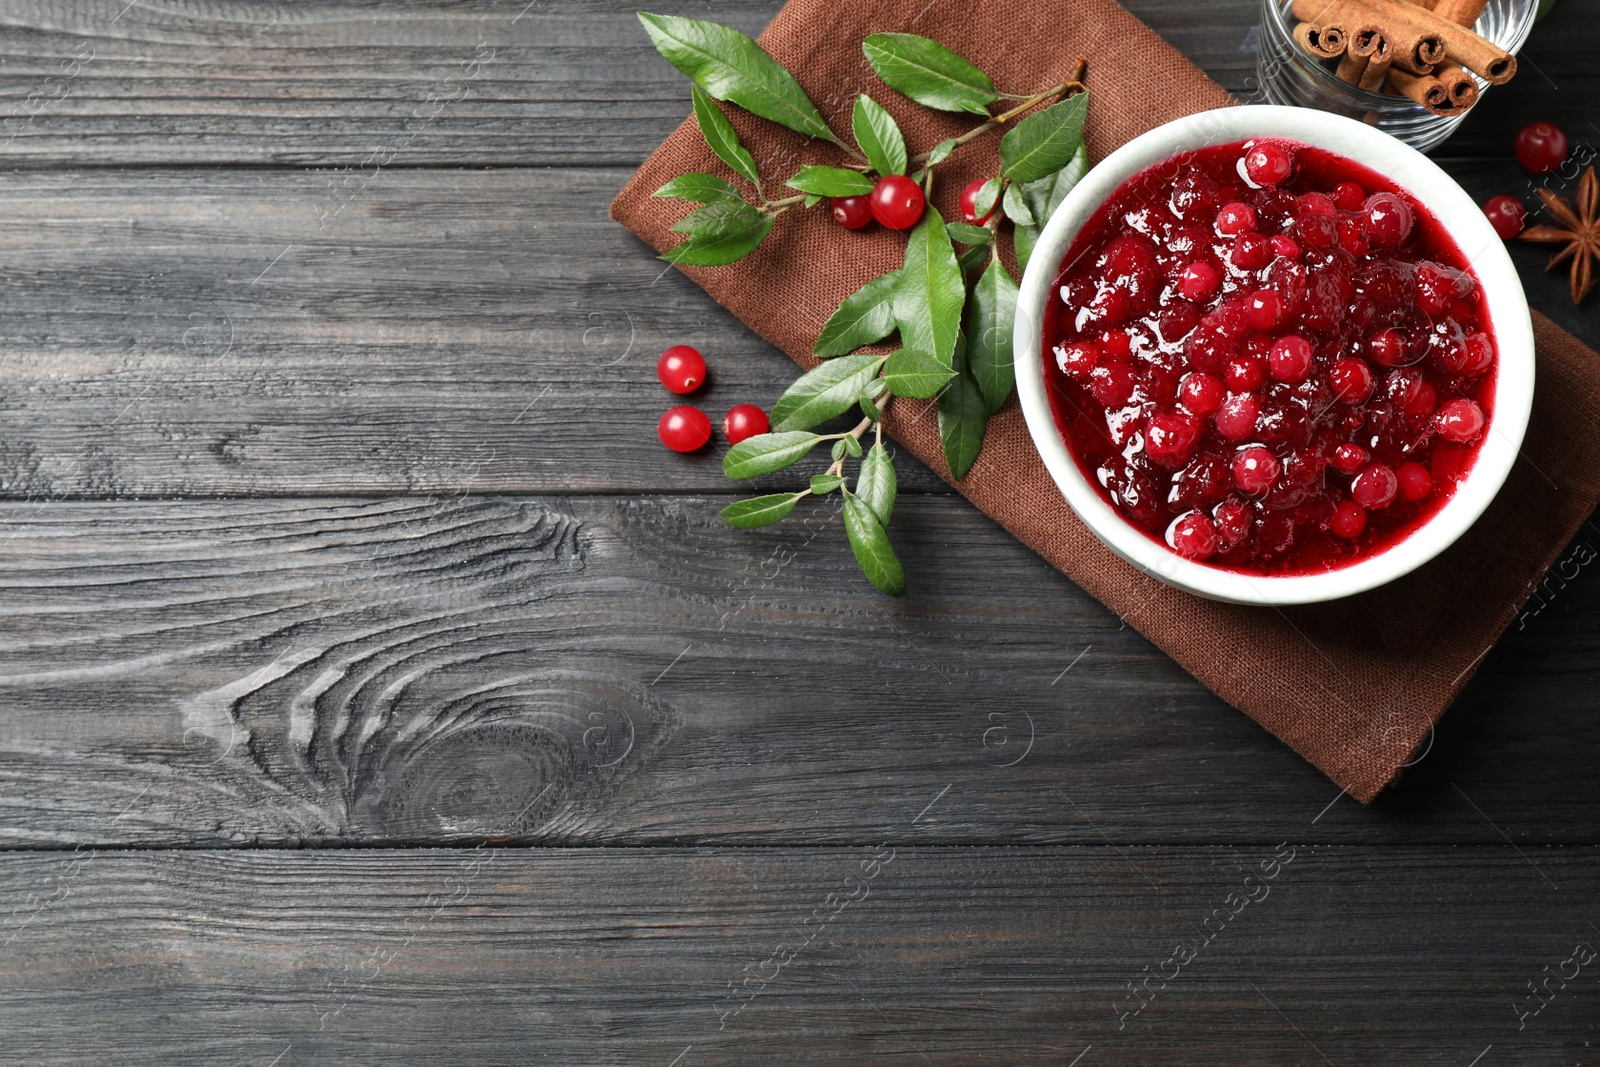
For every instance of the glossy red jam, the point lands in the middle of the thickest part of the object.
(1269, 358)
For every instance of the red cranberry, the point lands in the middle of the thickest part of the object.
(1255, 469)
(1290, 359)
(1193, 535)
(681, 369)
(1235, 218)
(1077, 358)
(1375, 487)
(1317, 231)
(1201, 394)
(1170, 438)
(1351, 381)
(1541, 147)
(1388, 347)
(1199, 282)
(1110, 307)
(1193, 192)
(1177, 320)
(1207, 350)
(1111, 385)
(1349, 519)
(1232, 518)
(1347, 196)
(1415, 481)
(1349, 458)
(742, 421)
(1250, 251)
(1506, 215)
(1116, 346)
(897, 202)
(684, 429)
(1236, 417)
(1388, 219)
(1460, 421)
(1246, 373)
(851, 212)
(1315, 203)
(1419, 400)
(1268, 163)
(1439, 286)
(1479, 355)
(1352, 238)
(1283, 245)
(969, 204)
(1265, 309)
(1201, 484)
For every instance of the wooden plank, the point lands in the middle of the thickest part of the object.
(604, 670)
(1296, 954)
(245, 332)
(487, 82)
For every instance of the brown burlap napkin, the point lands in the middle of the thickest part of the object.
(1355, 685)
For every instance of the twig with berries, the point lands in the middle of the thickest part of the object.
(953, 312)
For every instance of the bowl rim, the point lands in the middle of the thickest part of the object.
(1423, 180)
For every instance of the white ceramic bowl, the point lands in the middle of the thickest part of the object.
(1412, 171)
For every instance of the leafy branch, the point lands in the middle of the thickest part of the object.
(953, 312)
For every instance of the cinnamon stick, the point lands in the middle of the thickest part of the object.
(1416, 46)
(1462, 86)
(1360, 44)
(1461, 12)
(1424, 89)
(1400, 17)
(1378, 65)
(1321, 41)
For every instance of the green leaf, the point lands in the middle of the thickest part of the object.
(869, 542)
(700, 189)
(969, 235)
(930, 291)
(1016, 206)
(879, 137)
(852, 446)
(718, 220)
(963, 415)
(972, 258)
(820, 394)
(1045, 141)
(823, 484)
(869, 409)
(941, 151)
(720, 135)
(813, 200)
(731, 66)
(1043, 197)
(719, 251)
(929, 73)
(876, 483)
(766, 453)
(991, 315)
(838, 449)
(831, 181)
(760, 511)
(867, 315)
(915, 374)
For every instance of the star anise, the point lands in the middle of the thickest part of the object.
(1579, 231)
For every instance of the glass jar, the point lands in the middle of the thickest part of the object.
(1287, 75)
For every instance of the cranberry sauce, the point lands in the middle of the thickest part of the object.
(1268, 357)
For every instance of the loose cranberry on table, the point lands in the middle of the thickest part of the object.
(1541, 147)
(1506, 215)
(897, 202)
(851, 212)
(681, 369)
(743, 421)
(684, 429)
(1273, 364)
(969, 204)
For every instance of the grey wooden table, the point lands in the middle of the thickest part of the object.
(376, 690)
